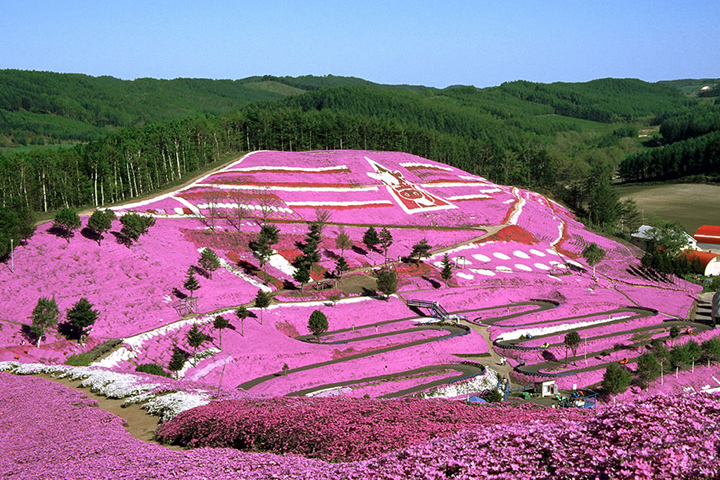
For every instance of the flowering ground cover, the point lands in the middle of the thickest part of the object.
(518, 271)
(659, 437)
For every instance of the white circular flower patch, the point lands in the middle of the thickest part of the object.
(537, 252)
(501, 256)
(520, 266)
(552, 252)
(542, 266)
(520, 254)
(481, 257)
(482, 271)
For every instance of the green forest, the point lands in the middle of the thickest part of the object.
(564, 139)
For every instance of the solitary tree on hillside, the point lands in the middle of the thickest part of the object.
(322, 217)
(302, 271)
(387, 281)
(209, 260)
(371, 239)
(134, 225)
(343, 242)
(191, 283)
(81, 316)
(420, 250)
(385, 240)
(195, 338)
(447, 269)
(648, 368)
(242, 314)
(45, 315)
(593, 255)
(177, 361)
(572, 341)
(67, 221)
(317, 323)
(711, 349)
(616, 379)
(262, 301)
(341, 266)
(220, 323)
(100, 222)
(262, 247)
(674, 333)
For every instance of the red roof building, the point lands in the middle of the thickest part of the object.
(709, 261)
(708, 234)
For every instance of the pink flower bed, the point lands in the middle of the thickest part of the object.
(337, 429)
(657, 437)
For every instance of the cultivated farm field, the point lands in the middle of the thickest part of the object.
(691, 204)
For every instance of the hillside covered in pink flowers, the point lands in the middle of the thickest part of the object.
(519, 279)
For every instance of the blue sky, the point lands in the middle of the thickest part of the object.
(436, 43)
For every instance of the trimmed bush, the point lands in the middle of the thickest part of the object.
(152, 369)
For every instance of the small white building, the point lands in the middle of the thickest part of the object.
(645, 234)
(546, 388)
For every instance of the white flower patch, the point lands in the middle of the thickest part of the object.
(501, 256)
(552, 252)
(209, 368)
(136, 342)
(518, 209)
(482, 271)
(427, 320)
(244, 206)
(541, 266)
(222, 186)
(492, 190)
(481, 258)
(230, 268)
(477, 196)
(455, 250)
(473, 177)
(287, 169)
(329, 392)
(428, 165)
(320, 303)
(486, 381)
(115, 385)
(521, 254)
(330, 204)
(189, 205)
(140, 398)
(279, 262)
(466, 276)
(461, 262)
(514, 335)
(509, 201)
(520, 266)
(169, 406)
(537, 252)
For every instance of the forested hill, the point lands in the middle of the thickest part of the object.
(44, 107)
(565, 140)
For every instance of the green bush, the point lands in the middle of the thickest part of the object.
(104, 348)
(153, 369)
(79, 360)
(493, 396)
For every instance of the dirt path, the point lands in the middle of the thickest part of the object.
(139, 422)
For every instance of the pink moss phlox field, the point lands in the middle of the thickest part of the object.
(658, 437)
(339, 429)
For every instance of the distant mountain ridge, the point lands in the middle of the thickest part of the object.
(41, 107)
